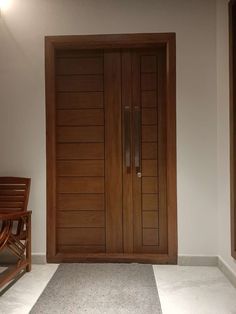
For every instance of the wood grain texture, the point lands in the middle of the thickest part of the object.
(81, 236)
(79, 65)
(113, 152)
(150, 219)
(79, 83)
(80, 117)
(80, 185)
(80, 151)
(150, 150)
(80, 134)
(150, 237)
(85, 219)
(80, 168)
(79, 100)
(80, 202)
(150, 201)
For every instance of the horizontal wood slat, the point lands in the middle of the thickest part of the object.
(150, 237)
(81, 219)
(149, 185)
(12, 192)
(79, 83)
(80, 134)
(81, 249)
(149, 133)
(80, 117)
(11, 198)
(80, 151)
(13, 187)
(90, 65)
(150, 219)
(148, 64)
(149, 150)
(149, 116)
(148, 81)
(75, 53)
(150, 201)
(80, 168)
(80, 201)
(81, 236)
(80, 185)
(149, 99)
(9, 204)
(80, 100)
(149, 168)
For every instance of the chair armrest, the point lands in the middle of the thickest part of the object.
(14, 215)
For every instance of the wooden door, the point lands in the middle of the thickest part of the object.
(88, 152)
(107, 142)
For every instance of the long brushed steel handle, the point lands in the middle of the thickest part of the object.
(127, 137)
(137, 140)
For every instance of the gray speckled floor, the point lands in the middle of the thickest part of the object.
(100, 289)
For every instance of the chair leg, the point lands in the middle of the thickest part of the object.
(28, 245)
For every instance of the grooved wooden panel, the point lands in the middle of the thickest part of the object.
(148, 81)
(149, 116)
(150, 201)
(75, 53)
(81, 83)
(80, 168)
(81, 219)
(149, 151)
(113, 152)
(68, 66)
(79, 100)
(149, 168)
(82, 249)
(8, 203)
(81, 236)
(148, 64)
(149, 99)
(80, 117)
(80, 134)
(80, 151)
(149, 133)
(80, 202)
(150, 219)
(150, 236)
(80, 185)
(149, 185)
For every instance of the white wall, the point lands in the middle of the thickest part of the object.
(22, 105)
(224, 247)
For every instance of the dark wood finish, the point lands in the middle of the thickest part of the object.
(232, 35)
(110, 77)
(113, 152)
(15, 226)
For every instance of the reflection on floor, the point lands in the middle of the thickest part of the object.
(194, 290)
(182, 290)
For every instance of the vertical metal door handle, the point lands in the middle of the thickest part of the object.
(137, 139)
(127, 138)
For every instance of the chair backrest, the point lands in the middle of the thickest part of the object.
(14, 193)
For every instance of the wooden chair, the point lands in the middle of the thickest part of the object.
(15, 226)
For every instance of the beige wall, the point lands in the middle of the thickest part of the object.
(22, 109)
(223, 135)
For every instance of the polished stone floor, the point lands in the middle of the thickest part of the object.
(182, 290)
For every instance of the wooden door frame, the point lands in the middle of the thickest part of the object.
(151, 40)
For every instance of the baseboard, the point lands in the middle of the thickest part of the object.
(39, 258)
(197, 260)
(227, 271)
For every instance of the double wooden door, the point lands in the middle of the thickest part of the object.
(110, 158)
